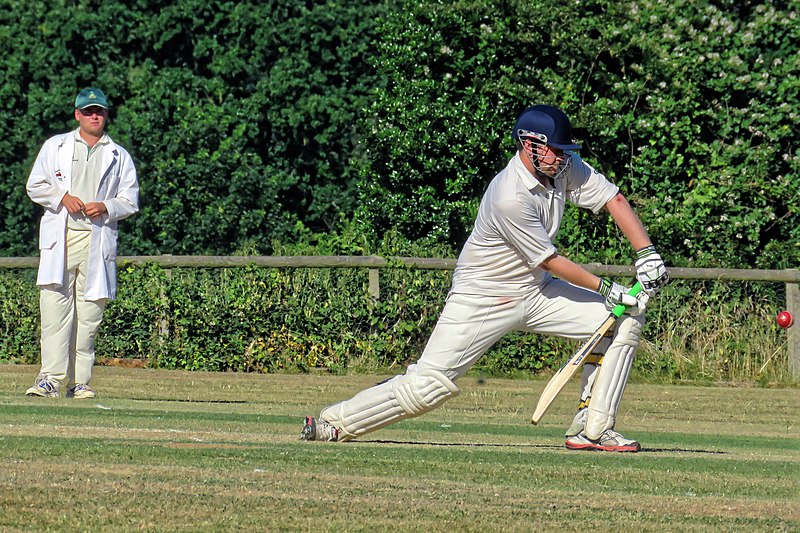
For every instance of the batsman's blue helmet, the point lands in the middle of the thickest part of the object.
(548, 124)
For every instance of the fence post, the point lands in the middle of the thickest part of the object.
(374, 284)
(163, 326)
(793, 333)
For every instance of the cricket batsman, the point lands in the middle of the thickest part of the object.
(510, 276)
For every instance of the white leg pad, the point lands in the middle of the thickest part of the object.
(609, 383)
(404, 396)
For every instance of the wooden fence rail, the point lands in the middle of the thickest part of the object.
(791, 277)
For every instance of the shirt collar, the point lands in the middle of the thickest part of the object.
(528, 179)
(77, 135)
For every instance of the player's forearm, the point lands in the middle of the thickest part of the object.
(628, 222)
(565, 269)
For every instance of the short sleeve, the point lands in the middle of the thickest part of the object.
(587, 187)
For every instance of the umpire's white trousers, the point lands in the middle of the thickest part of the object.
(69, 322)
(470, 324)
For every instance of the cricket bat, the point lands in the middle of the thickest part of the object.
(562, 377)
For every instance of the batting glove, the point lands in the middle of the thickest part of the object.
(617, 294)
(650, 270)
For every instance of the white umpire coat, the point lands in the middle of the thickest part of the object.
(118, 189)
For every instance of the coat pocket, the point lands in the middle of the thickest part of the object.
(49, 228)
(109, 244)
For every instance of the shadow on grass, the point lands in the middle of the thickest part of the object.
(172, 400)
(537, 446)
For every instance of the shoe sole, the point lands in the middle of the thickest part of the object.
(600, 448)
(41, 395)
(83, 396)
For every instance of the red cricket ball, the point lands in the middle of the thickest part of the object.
(785, 319)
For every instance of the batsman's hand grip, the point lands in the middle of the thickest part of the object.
(620, 309)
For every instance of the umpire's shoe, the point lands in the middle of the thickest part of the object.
(318, 430)
(81, 391)
(44, 386)
(609, 441)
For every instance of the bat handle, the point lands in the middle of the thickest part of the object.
(620, 309)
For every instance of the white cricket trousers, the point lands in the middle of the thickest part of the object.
(69, 322)
(467, 327)
(469, 324)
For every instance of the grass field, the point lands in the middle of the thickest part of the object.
(179, 451)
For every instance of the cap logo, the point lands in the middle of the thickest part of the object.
(92, 96)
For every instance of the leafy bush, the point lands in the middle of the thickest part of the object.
(256, 122)
(19, 317)
(690, 107)
(716, 331)
(267, 127)
(254, 319)
(240, 116)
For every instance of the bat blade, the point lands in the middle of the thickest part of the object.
(565, 373)
(562, 377)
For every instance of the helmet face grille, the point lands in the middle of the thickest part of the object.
(533, 143)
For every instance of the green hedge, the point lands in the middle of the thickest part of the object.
(254, 122)
(240, 116)
(691, 107)
(359, 127)
(254, 319)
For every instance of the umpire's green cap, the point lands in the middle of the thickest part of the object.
(89, 97)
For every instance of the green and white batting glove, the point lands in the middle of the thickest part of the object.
(650, 270)
(617, 294)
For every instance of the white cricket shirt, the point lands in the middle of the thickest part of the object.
(517, 221)
(87, 167)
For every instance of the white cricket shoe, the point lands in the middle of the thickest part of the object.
(609, 441)
(81, 392)
(319, 430)
(44, 387)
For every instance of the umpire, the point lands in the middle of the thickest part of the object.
(86, 183)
